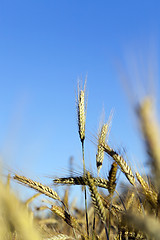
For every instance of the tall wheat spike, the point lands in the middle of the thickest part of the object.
(81, 111)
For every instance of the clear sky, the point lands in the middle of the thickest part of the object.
(44, 47)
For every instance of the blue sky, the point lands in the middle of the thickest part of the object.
(45, 46)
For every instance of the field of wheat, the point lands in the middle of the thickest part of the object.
(131, 214)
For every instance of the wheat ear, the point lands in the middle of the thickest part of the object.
(121, 162)
(112, 178)
(100, 150)
(81, 112)
(70, 220)
(81, 180)
(96, 200)
(38, 186)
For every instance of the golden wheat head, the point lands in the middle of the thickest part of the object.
(81, 112)
(100, 149)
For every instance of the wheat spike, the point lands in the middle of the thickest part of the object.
(38, 186)
(96, 199)
(71, 180)
(81, 111)
(121, 162)
(112, 178)
(70, 220)
(100, 149)
(99, 182)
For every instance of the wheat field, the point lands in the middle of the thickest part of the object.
(131, 214)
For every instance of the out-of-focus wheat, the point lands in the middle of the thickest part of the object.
(151, 195)
(149, 225)
(151, 132)
(15, 218)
